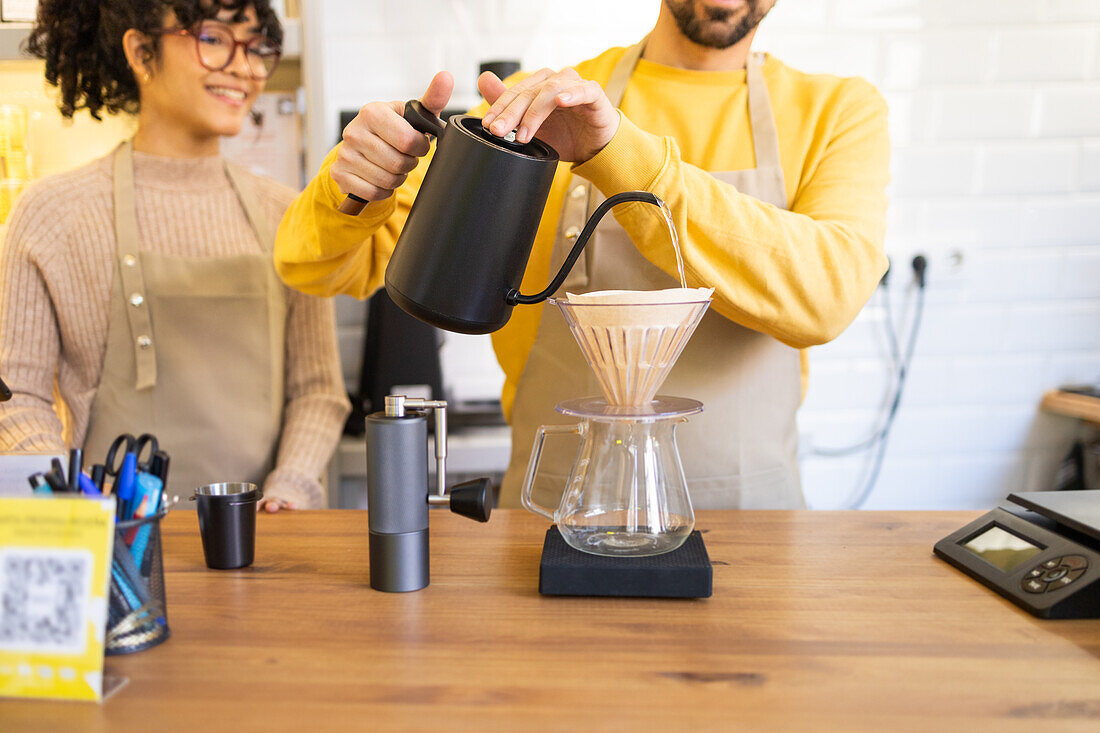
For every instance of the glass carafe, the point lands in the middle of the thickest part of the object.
(626, 494)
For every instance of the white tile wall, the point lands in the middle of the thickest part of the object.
(995, 122)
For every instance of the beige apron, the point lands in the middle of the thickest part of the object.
(742, 451)
(195, 350)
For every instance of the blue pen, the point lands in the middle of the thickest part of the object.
(87, 486)
(124, 472)
(126, 480)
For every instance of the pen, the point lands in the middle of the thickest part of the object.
(56, 480)
(87, 486)
(59, 470)
(76, 465)
(158, 466)
(99, 474)
(124, 484)
(38, 483)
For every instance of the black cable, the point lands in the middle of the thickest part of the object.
(902, 373)
(901, 364)
(887, 417)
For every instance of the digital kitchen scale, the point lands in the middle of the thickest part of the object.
(1042, 554)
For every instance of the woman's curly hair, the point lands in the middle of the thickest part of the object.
(81, 42)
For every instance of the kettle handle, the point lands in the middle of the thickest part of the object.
(533, 467)
(514, 297)
(417, 115)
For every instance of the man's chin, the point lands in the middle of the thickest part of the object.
(718, 25)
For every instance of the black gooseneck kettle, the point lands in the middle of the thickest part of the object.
(461, 255)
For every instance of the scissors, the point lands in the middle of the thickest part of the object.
(133, 445)
(125, 469)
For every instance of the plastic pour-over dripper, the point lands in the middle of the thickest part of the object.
(632, 338)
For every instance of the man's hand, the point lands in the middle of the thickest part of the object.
(571, 114)
(379, 147)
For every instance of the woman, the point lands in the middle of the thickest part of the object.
(141, 284)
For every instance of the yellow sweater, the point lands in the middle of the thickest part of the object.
(800, 276)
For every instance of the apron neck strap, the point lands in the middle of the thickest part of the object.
(765, 137)
(126, 234)
(131, 277)
(252, 209)
(616, 85)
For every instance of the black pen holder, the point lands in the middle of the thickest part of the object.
(137, 614)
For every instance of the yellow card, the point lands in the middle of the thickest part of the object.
(55, 559)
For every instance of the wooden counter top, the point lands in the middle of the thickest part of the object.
(819, 621)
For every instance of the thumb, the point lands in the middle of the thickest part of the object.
(490, 86)
(439, 92)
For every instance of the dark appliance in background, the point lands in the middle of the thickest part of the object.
(397, 350)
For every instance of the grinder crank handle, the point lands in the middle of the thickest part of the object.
(417, 115)
(473, 499)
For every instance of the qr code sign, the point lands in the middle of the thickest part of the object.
(44, 602)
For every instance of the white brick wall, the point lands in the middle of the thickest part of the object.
(995, 121)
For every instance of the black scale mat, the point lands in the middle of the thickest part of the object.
(683, 573)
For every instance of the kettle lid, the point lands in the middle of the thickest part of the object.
(535, 149)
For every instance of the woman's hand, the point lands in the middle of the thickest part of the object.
(380, 147)
(272, 504)
(572, 114)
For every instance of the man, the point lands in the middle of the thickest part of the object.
(776, 181)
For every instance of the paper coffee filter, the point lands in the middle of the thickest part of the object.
(632, 338)
(662, 308)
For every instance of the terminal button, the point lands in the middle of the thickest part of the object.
(1034, 586)
(1056, 574)
(1065, 580)
(1073, 562)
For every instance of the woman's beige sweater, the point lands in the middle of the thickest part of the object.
(57, 267)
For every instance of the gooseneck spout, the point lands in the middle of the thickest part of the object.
(514, 297)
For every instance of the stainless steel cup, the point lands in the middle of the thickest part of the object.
(227, 523)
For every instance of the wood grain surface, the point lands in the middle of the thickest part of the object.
(1073, 405)
(819, 621)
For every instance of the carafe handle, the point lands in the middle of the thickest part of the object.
(533, 466)
(514, 297)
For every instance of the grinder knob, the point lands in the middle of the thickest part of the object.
(472, 499)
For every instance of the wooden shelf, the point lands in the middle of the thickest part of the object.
(1072, 405)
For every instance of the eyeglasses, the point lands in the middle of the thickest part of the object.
(216, 46)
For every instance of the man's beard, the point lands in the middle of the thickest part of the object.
(711, 30)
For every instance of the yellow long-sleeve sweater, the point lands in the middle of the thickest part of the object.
(800, 276)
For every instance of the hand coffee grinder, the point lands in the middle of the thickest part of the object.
(398, 496)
